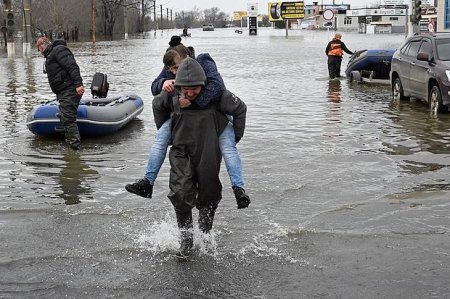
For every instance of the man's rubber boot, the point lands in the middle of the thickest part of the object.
(184, 221)
(206, 219)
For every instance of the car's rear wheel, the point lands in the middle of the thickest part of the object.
(397, 90)
(435, 100)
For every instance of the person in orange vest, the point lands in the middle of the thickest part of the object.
(334, 50)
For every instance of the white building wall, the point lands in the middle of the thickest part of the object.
(441, 16)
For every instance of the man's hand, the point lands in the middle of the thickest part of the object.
(80, 90)
(168, 86)
(184, 102)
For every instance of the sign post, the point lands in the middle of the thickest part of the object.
(328, 15)
(252, 13)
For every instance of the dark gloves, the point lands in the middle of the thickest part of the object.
(242, 199)
(237, 139)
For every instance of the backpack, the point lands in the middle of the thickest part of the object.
(99, 85)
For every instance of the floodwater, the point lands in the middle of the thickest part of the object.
(350, 190)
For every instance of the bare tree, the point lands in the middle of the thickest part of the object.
(210, 15)
(111, 10)
(55, 17)
(191, 19)
(145, 9)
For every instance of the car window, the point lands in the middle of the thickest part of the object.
(413, 49)
(426, 47)
(405, 48)
(443, 48)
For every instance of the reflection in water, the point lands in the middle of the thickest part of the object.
(72, 177)
(11, 86)
(11, 93)
(334, 90)
(20, 86)
(420, 131)
(30, 81)
(334, 96)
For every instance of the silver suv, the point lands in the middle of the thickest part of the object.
(421, 69)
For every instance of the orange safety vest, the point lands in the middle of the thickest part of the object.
(335, 49)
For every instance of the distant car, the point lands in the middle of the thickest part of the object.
(208, 27)
(421, 69)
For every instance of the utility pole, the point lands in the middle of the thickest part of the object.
(27, 27)
(93, 21)
(125, 18)
(162, 24)
(154, 16)
(9, 29)
(335, 17)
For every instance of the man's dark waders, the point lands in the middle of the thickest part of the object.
(68, 105)
(195, 164)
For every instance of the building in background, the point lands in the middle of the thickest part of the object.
(443, 15)
(391, 16)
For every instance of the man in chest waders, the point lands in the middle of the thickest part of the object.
(334, 50)
(195, 155)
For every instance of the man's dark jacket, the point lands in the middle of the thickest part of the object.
(62, 70)
(164, 104)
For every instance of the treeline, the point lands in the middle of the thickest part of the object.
(74, 19)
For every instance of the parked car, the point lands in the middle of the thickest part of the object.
(421, 69)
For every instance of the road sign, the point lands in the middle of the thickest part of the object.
(430, 26)
(328, 14)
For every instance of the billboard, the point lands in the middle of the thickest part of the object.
(238, 15)
(279, 11)
(404, 2)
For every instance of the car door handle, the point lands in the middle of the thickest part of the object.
(412, 62)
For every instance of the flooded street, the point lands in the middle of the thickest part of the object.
(350, 191)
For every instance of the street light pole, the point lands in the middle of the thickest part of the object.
(335, 17)
(27, 27)
(125, 19)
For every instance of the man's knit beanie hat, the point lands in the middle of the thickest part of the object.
(190, 73)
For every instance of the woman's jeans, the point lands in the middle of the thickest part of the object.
(227, 144)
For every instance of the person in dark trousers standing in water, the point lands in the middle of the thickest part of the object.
(334, 50)
(195, 155)
(65, 81)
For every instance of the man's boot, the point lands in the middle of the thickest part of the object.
(184, 221)
(206, 219)
(242, 199)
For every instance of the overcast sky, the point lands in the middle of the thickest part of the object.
(228, 6)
